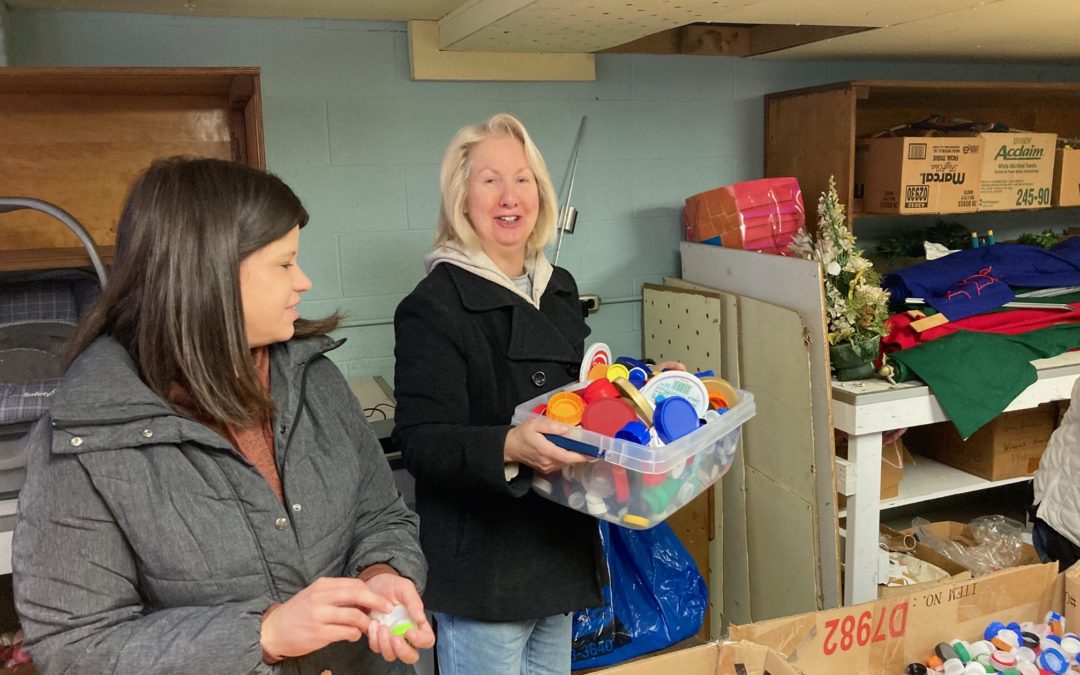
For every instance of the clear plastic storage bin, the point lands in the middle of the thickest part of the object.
(639, 486)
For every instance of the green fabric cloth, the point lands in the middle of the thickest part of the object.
(976, 375)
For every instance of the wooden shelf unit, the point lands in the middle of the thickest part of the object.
(78, 137)
(810, 133)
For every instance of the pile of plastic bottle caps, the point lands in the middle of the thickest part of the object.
(1010, 649)
(658, 438)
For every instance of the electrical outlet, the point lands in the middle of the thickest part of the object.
(590, 303)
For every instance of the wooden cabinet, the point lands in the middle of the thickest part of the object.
(77, 137)
(810, 133)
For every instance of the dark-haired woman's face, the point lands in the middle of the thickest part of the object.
(270, 286)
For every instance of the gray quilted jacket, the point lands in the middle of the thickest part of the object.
(146, 544)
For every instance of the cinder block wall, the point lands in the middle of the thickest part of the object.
(361, 143)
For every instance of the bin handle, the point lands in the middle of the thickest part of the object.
(8, 204)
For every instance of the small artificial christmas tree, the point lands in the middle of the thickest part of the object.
(855, 303)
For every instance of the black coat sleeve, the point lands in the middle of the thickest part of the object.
(431, 422)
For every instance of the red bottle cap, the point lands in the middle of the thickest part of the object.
(607, 416)
(599, 389)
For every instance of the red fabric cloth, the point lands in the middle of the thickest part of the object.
(1008, 322)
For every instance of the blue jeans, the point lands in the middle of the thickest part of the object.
(532, 647)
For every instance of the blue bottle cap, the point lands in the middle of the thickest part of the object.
(705, 373)
(674, 418)
(634, 363)
(992, 630)
(638, 376)
(635, 432)
(1053, 660)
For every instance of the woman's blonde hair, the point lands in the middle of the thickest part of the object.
(453, 225)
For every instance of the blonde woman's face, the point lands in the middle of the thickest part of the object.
(270, 286)
(503, 199)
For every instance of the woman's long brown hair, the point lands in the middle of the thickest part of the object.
(173, 295)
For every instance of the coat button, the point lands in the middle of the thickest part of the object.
(573, 369)
(539, 378)
(76, 441)
(281, 523)
(297, 507)
(148, 433)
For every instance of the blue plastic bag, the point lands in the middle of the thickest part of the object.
(655, 597)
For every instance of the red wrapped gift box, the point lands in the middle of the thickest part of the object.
(758, 215)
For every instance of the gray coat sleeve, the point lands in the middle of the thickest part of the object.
(385, 531)
(76, 588)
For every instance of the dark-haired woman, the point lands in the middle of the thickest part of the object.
(206, 495)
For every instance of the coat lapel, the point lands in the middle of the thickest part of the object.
(554, 333)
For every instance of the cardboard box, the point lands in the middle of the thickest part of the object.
(893, 458)
(1017, 171)
(858, 190)
(885, 635)
(963, 534)
(1066, 190)
(955, 570)
(718, 658)
(1007, 447)
(922, 175)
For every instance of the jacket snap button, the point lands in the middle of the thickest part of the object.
(148, 433)
(539, 378)
(297, 507)
(76, 441)
(281, 523)
(572, 369)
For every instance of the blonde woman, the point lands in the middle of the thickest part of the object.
(493, 324)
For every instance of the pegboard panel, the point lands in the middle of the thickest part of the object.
(678, 325)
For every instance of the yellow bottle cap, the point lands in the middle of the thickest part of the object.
(617, 370)
(565, 407)
(631, 519)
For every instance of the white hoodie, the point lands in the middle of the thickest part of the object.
(536, 266)
(1057, 481)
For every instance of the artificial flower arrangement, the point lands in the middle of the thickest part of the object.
(855, 303)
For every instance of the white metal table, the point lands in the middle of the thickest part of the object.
(864, 409)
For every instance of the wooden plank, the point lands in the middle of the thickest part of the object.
(428, 62)
(120, 81)
(707, 40)
(730, 590)
(811, 136)
(795, 284)
(78, 137)
(52, 258)
(774, 364)
(766, 38)
(783, 581)
(685, 326)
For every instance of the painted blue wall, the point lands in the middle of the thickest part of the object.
(361, 143)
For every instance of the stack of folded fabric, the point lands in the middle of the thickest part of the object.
(757, 215)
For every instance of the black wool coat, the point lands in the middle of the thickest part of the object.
(468, 351)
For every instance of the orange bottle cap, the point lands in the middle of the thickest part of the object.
(566, 407)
